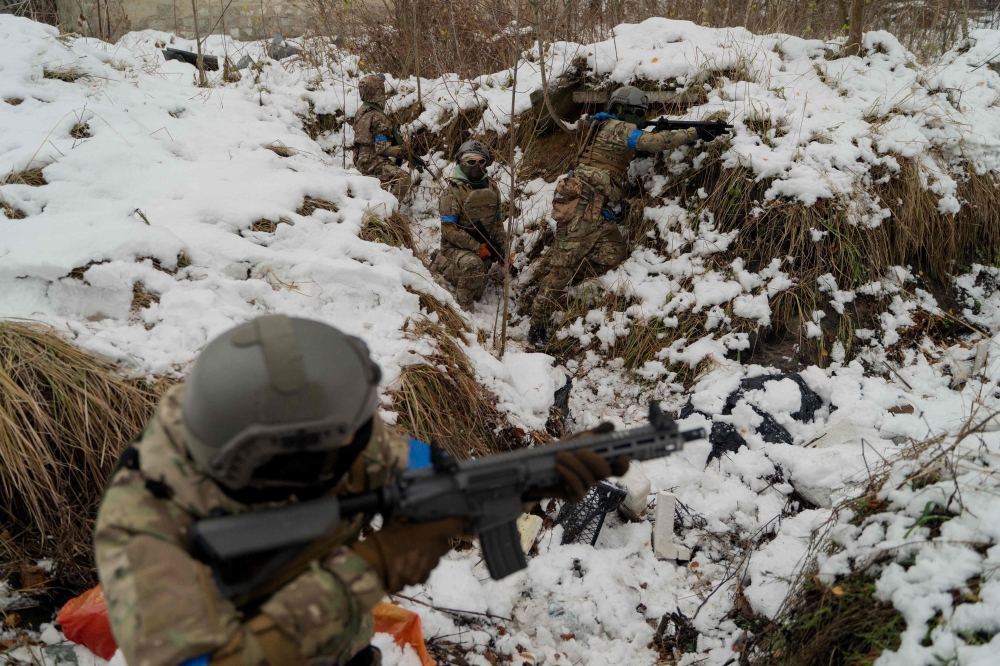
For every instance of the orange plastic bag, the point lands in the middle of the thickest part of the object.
(404, 627)
(85, 621)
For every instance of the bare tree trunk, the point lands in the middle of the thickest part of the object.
(853, 46)
(202, 79)
(513, 185)
(965, 19)
(416, 51)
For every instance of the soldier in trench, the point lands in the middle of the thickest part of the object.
(586, 203)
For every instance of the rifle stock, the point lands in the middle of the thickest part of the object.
(488, 492)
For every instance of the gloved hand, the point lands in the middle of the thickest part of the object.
(578, 472)
(484, 251)
(405, 553)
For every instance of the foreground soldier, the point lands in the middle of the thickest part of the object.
(275, 410)
(472, 233)
(378, 147)
(586, 203)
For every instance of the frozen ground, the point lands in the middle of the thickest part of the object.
(170, 169)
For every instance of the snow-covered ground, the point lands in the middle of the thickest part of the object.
(171, 170)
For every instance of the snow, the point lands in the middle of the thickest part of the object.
(194, 163)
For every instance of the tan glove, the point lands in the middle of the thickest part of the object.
(578, 472)
(405, 553)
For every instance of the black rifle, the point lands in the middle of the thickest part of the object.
(707, 129)
(489, 492)
(211, 62)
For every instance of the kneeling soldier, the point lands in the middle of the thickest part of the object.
(584, 207)
(472, 233)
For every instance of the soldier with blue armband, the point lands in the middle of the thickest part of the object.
(379, 149)
(276, 412)
(586, 205)
(472, 232)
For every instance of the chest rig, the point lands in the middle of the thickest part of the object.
(479, 209)
(604, 155)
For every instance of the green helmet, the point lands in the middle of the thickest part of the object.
(271, 406)
(630, 104)
(473, 146)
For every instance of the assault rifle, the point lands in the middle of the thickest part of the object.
(489, 492)
(707, 129)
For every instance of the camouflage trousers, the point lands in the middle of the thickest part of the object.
(394, 179)
(464, 270)
(586, 245)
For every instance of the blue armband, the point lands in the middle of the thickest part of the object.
(381, 138)
(197, 661)
(420, 455)
(604, 115)
(633, 138)
(449, 219)
(607, 215)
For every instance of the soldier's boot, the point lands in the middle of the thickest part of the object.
(469, 289)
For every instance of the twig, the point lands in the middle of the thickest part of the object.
(453, 611)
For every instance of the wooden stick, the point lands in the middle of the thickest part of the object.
(513, 186)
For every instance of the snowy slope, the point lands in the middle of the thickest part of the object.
(193, 162)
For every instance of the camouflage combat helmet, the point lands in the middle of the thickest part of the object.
(279, 404)
(372, 89)
(630, 104)
(477, 147)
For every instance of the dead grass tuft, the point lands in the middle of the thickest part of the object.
(393, 230)
(142, 298)
(80, 131)
(10, 211)
(311, 205)
(440, 401)
(32, 177)
(64, 417)
(269, 227)
(67, 74)
(13, 101)
(447, 316)
(280, 149)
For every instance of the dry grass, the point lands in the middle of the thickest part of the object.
(280, 149)
(80, 131)
(440, 401)
(65, 415)
(311, 205)
(447, 316)
(394, 230)
(268, 226)
(32, 177)
(142, 298)
(13, 101)
(67, 74)
(11, 212)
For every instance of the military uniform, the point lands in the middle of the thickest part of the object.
(377, 148)
(588, 242)
(471, 217)
(163, 605)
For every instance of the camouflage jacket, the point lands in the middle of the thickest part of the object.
(163, 605)
(376, 139)
(611, 145)
(467, 212)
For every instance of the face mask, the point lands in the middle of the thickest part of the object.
(634, 115)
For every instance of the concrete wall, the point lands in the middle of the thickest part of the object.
(109, 19)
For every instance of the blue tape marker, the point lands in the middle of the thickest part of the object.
(449, 219)
(420, 455)
(633, 138)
